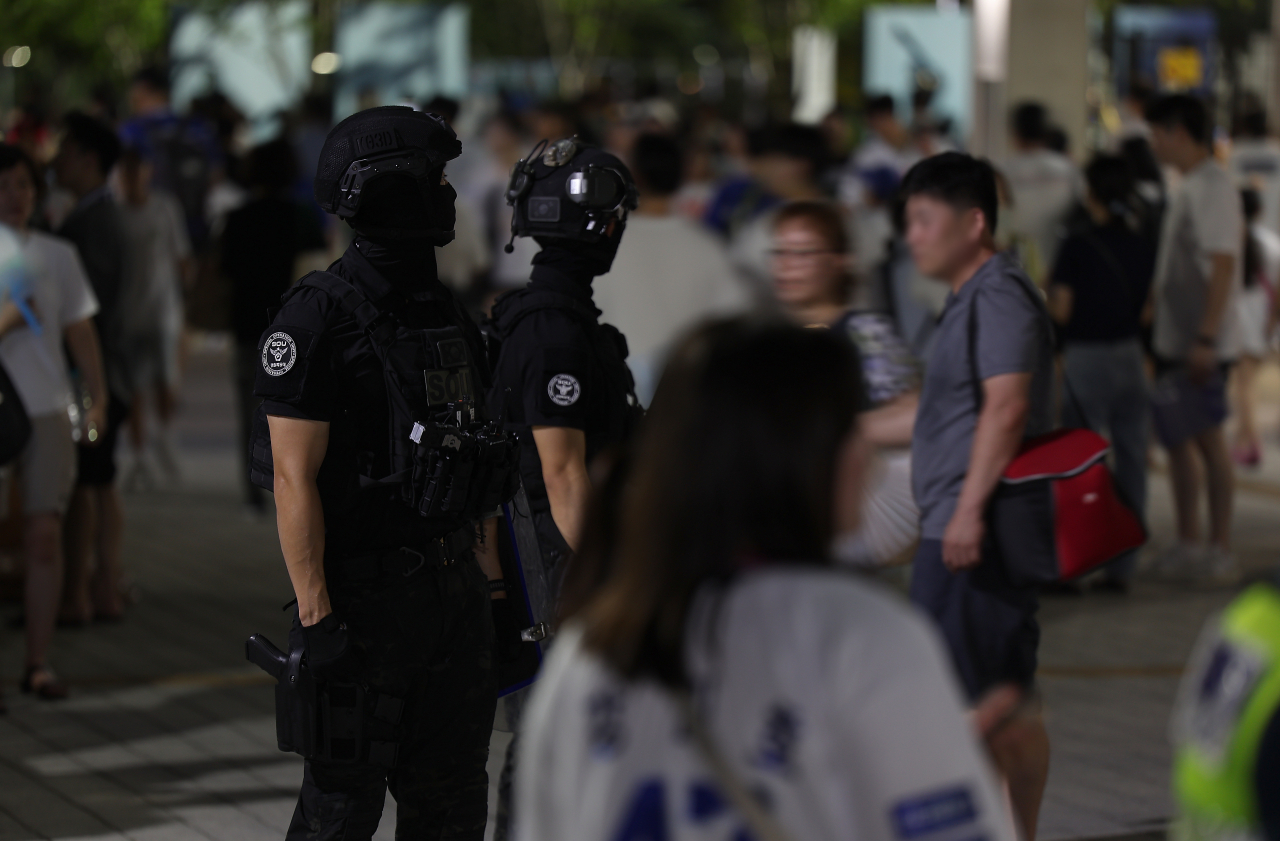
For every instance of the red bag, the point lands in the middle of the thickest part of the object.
(1056, 514)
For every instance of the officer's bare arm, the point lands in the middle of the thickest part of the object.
(563, 452)
(298, 448)
(487, 554)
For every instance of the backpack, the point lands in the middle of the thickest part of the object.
(446, 459)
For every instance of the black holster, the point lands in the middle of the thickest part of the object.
(341, 723)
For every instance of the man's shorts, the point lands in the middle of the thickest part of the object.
(97, 464)
(47, 466)
(989, 624)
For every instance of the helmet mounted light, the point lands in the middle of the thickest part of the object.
(598, 192)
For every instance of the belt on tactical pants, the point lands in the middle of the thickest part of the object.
(406, 561)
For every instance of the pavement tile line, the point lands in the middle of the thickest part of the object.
(157, 753)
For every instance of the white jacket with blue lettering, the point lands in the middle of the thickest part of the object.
(830, 698)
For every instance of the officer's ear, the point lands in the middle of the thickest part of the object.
(611, 227)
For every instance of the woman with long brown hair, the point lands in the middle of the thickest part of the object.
(710, 649)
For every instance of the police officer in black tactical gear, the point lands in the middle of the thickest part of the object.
(387, 471)
(561, 380)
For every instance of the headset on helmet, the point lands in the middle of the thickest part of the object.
(599, 192)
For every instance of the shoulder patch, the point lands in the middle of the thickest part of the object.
(279, 353)
(564, 389)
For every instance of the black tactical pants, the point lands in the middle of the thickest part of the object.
(428, 640)
(555, 553)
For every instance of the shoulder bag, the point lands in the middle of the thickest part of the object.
(1056, 513)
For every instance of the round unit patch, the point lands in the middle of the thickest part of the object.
(279, 352)
(564, 389)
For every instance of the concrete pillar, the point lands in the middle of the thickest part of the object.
(990, 68)
(1048, 63)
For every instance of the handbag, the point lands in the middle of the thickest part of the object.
(1056, 513)
(15, 425)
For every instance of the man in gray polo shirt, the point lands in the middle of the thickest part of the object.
(987, 388)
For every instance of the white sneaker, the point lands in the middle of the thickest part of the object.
(1180, 562)
(1220, 567)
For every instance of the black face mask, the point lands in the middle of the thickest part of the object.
(442, 212)
(580, 259)
(394, 208)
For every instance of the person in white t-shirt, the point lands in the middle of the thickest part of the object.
(64, 305)
(827, 698)
(669, 274)
(1044, 185)
(1198, 278)
(151, 317)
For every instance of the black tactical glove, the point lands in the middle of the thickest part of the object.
(506, 627)
(331, 655)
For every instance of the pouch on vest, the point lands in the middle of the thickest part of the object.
(446, 459)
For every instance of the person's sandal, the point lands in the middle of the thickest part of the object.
(51, 689)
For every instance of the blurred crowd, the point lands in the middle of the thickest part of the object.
(148, 227)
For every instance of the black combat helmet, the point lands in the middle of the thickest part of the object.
(569, 190)
(361, 153)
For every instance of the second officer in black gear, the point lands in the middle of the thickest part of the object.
(561, 379)
(373, 380)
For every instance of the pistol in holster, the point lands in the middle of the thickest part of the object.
(336, 722)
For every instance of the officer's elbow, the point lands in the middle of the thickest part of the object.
(564, 477)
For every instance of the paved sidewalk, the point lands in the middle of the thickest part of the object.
(169, 735)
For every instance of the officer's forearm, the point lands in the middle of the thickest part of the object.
(487, 553)
(569, 492)
(300, 519)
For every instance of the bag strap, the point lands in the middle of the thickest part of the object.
(763, 825)
(978, 396)
(372, 321)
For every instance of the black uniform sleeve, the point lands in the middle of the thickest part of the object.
(295, 374)
(556, 387)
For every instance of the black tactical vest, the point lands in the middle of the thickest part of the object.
(608, 362)
(448, 460)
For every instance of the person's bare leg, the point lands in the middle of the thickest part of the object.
(1221, 482)
(1184, 478)
(137, 423)
(107, 601)
(1243, 379)
(42, 544)
(166, 401)
(81, 526)
(1021, 751)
